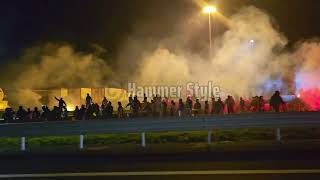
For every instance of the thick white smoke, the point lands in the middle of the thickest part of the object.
(55, 66)
(244, 57)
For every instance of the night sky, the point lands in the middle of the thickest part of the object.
(110, 22)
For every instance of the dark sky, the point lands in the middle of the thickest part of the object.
(24, 23)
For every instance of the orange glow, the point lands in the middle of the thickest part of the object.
(209, 10)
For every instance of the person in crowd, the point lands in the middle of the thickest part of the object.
(261, 104)
(44, 114)
(242, 105)
(21, 113)
(56, 113)
(164, 107)
(206, 107)
(136, 106)
(89, 112)
(197, 107)
(153, 108)
(65, 114)
(104, 102)
(76, 113)
(276, 101)
(189, 105)
(82, 112)
(255, 104)
(219, 107)
(29, 115)
(120, 110)
(180, 108)
(8, 115)
(158, 105)
(130, 104)
(61, 103)
(145, 106)
(88, 100)
(96, 110)
(35, 114)
(109, 110)
(213, 101)
(230, 104)
(172, 108)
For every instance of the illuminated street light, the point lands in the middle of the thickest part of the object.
(209, 10)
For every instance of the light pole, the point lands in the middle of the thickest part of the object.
(210, 10)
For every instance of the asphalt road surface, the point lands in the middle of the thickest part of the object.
(219, 165)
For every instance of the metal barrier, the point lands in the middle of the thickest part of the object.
(145, 125)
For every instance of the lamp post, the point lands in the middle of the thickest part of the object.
(209, 10)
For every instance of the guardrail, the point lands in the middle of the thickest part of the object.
(143, 125)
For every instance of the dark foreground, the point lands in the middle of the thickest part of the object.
(293, 164)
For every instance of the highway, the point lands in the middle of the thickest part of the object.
(250, 120)
(296, 163)
(288, 165)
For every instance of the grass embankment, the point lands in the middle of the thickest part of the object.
(170, 142)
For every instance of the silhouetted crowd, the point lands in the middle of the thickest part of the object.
(157, 107)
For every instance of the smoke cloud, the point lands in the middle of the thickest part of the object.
(248, 58)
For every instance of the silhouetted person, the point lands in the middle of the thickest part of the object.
(213, 101)
(45, 113)
(21, 113)
(153, 108)
(197, 107)
(64, 114)
(61, 103)
(255, 103)
(206, 107)
(136, 106)
(89, 112)
(276, 100)
(56, 113)
(29, 115)
(146, 109)
(109, 110)
(35, 114)
(120, 110)
(172, 108)
(242, 105)
(96, 110)
(261, 104)
(76, 113)
(230, 104)
(163, 108)
(82, 112)
(180, 108)
(219, 107)
(88, 100)
(8, 115)
(188, 105)
(104, 102)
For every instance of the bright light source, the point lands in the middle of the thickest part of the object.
(298, 95)
(252, 41)
(209, 9)
(70, 107)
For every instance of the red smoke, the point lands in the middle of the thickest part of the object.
(312, 98)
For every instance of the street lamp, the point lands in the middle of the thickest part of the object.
(209, 10)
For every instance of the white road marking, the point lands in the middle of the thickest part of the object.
(166, 173)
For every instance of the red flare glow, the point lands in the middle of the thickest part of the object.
(312, 98)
